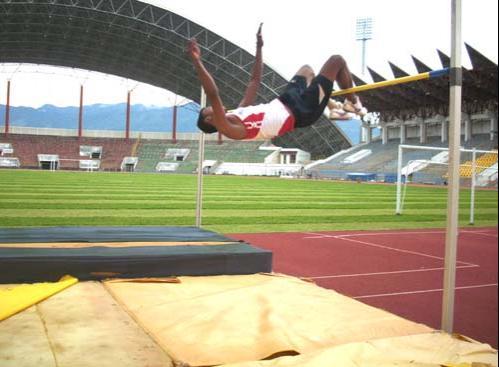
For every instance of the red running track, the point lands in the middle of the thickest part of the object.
(399, 271)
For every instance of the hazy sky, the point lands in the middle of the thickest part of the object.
(295, 32)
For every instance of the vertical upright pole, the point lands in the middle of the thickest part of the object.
(454, 158)
(199, 197)
(473, 183)
(127, 125)
(7, 110)
(80, 114)
(399, 182)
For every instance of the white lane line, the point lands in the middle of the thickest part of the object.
(322, 235)
(403, 251)
(423, 291)
(345, 238)
(387, 272)
(493, 235)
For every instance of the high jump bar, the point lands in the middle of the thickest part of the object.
(387, 83)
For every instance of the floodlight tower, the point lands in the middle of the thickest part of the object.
(364, 31)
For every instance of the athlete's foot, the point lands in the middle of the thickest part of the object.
(340, 114)
(334, 104)
(354, 107)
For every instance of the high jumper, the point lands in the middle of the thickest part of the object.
(300, 105)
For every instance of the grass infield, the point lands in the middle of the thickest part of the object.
(231, 204)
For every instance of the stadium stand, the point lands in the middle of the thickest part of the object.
(185, 154)
(234, 151)
(483, 162)
(28, 147)
(361, 154)
(152, 152)
(105, 30)
(382, 162)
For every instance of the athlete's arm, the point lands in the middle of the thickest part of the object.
(230, 128)
(256, 73)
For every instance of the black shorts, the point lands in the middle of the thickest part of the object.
(304, 101)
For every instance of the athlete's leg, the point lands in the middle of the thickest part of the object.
(336, 69)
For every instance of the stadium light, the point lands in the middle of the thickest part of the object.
(364, 32)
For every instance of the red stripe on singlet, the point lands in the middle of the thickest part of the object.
(253, 124)
(288, 125)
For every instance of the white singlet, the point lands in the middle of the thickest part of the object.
(265, 121)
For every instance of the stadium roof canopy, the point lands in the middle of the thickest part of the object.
(139, 41)
(430, 97)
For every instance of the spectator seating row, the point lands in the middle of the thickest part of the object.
(151, 152)
(482, 163)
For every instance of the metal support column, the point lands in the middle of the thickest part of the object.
(80, 114)
(7, 110)
(127, 124)
(174, 123)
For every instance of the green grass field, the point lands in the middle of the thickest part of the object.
(231, 204)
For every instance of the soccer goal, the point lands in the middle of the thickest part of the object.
(429, 165)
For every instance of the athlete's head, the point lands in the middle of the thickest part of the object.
(204, 120)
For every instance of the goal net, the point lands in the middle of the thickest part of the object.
(429, 166)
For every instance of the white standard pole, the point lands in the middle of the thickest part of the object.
(473, 183)
(398, 210)
(199, 196)
(454, 158)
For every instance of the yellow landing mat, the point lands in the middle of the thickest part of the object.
(205, 321)
(424, 350)
(63, 245)
(80, 327)
(23, 342)
(20, 297)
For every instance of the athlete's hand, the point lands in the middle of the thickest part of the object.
(193, 49)
(259, 39)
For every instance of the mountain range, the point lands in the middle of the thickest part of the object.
(105, 117)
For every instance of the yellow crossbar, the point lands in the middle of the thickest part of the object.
(385, 83)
